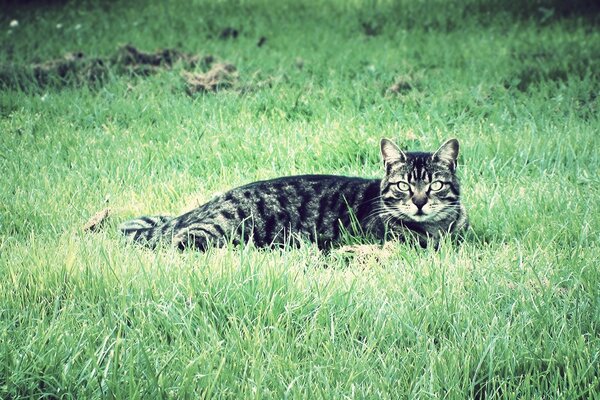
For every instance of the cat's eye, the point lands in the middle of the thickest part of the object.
(436, 185)
(403, 186)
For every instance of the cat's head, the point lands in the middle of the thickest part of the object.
(420, 187)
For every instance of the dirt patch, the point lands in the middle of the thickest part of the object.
(143, 63)
(200, 74)
(402, 85)
(76, 69)
(72, 68)
(219, 76)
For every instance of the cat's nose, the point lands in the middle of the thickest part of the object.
(419, 201)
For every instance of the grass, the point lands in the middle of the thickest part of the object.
(513, 312)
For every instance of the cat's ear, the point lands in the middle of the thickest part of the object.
(391, 153)
(447, 153)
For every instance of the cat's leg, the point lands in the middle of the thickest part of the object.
(462, 222)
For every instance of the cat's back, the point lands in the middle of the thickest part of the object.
(302, 204)
(301, 195)
(324, 183)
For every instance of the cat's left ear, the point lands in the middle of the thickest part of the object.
(391, 153)
(447, 153)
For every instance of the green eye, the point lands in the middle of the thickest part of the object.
(436, 185)
(403, 186)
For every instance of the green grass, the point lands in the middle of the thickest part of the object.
(513, 312)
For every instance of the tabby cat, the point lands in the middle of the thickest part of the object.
(419, 196)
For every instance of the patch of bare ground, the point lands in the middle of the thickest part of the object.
(402, 85)
(201, 74)
(219, 76)
(77, 69)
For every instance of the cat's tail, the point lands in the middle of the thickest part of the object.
(145, 230)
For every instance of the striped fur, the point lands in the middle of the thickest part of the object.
(322, 208)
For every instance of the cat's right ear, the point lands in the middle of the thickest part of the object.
(391, 153)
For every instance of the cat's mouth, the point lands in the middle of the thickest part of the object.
(420, 216)
(417, 214)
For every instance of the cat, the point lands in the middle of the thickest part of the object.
(419, 197)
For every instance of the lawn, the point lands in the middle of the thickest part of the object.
(512, 312)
